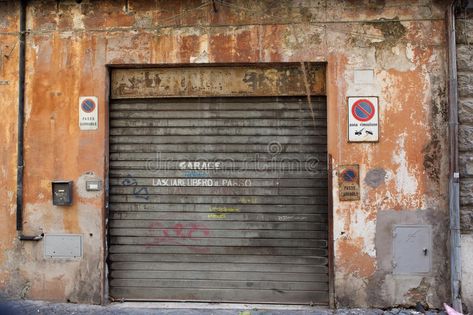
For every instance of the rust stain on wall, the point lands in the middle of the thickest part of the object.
(189, 47)
(234, 46)
(270, 35)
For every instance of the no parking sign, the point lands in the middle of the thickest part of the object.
(363, 124)
(349, 182)
(88, 113)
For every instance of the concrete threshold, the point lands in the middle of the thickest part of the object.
(215, 306)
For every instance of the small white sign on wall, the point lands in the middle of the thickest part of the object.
(363, 121)
(88, 113)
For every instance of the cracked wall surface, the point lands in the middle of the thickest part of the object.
(403, 178)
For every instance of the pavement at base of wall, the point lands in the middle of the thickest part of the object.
(27, 307)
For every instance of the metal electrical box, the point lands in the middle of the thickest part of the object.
(63, 245)
(412, 249)
(62, 193)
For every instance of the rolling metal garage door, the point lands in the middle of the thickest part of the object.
(219, 199)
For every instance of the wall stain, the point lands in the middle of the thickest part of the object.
(375, 177)
(392, 30)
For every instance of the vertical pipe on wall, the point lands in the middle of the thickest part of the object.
(331, 244)
(21, 116)
(21, 129)
(454, 178)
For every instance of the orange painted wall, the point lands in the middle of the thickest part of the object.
(69, 47)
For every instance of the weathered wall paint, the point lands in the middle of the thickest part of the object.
(70, 45)
(8, 104)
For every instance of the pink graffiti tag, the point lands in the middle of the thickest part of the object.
(182, 235)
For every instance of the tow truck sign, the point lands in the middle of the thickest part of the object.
(363, 125)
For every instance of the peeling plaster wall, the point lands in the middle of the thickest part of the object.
(403, 177)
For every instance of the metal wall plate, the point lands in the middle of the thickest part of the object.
(63, 245)
(93, 185)
(412, 249)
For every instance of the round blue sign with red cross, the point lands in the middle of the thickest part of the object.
(349, 175)
(88, 105)
(363, 110)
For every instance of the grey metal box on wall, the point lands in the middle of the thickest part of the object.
(63, 246)
(412, 249)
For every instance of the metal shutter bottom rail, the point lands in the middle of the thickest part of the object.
(252, 228)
